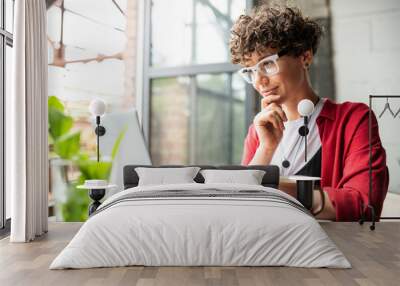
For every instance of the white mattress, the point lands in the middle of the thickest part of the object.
(203, 231)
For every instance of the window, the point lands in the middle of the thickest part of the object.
(89, 54)
(195, 108)
(6, 43)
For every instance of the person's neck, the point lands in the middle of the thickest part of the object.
(290, 106)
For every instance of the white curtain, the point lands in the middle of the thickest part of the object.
(26, 119)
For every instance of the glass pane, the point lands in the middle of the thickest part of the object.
(220, 104)
(8, 81)
(87, 67)
(91, 60)
(170, 120)
(199, 29)
(239, 118)
(9, 15)
(198, 120)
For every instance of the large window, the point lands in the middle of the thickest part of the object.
(89, 57)
(6, 43)
(195, 108)
(199, 119)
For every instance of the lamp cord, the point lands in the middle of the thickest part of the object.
(98, 137)
(98, 143)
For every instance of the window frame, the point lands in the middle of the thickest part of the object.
(6, 39)
(147, 73)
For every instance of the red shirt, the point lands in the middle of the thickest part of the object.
(343, 130)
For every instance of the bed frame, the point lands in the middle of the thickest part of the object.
(270, 179)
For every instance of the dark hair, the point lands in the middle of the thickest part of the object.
(280, 27)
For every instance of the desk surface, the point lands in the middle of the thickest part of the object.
(374, 255)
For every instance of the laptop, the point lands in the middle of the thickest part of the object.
(132, 150)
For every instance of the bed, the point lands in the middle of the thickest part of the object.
(201, 224)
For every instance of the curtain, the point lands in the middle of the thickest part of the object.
(26, 119)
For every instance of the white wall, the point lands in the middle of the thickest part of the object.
(366, 48)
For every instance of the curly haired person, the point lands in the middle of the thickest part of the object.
(276, 45)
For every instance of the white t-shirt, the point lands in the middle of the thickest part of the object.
(291, 147)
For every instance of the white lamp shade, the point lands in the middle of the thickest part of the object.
(97, 107)
(305, 107)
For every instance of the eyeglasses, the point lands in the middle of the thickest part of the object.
(268, 66)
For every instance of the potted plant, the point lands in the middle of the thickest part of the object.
(70, 165)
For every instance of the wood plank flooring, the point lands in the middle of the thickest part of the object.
(375, 257)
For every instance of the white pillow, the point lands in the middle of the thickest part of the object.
(248, 177)
(163, 176)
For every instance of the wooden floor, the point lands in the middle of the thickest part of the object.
(375, 257)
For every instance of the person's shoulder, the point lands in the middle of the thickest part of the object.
(349, 108)
(350, 116)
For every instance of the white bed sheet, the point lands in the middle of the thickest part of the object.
(200, 231)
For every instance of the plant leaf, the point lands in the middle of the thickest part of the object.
(91, 169)
(59, 123)
(67, 146)
(117, 142)
(54, 102)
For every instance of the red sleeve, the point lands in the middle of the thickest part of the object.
(250, 145)
(353, 188)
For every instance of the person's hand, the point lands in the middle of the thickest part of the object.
(268, 123)
(288, 187)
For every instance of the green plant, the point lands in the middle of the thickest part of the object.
(65, 144)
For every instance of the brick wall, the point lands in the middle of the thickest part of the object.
(169, 123)
(129, 98)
